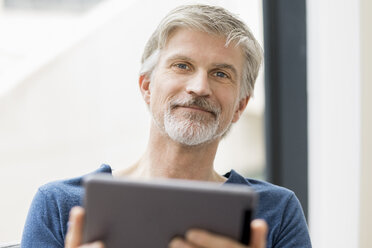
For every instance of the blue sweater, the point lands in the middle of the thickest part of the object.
(46, 223)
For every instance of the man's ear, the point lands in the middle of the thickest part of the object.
(144, 84)
(240, 108)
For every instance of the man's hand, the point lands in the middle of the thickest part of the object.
(74, 234)
(196, 238)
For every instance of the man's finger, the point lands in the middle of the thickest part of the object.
(206, 239)
(97, 244)
(75, 228)
(259, 234)
(179, 243)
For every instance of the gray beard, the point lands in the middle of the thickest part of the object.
(190, 129)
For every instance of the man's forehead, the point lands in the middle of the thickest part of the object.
(189, 34)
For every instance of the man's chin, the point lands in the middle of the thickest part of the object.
(192, 142)
(191, 135)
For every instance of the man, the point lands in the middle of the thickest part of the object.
(198, 73)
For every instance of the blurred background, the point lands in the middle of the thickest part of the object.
(69, 101)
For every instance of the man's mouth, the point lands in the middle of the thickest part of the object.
(196, 108)
(196, 105)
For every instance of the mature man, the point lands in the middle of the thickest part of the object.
(198, 73)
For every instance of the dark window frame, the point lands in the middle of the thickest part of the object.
(286, 95)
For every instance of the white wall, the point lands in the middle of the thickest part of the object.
(366, 126)
(339, 122)
(83, 108)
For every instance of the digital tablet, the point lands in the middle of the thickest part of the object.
(127, 213)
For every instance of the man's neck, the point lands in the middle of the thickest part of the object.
(165, 158)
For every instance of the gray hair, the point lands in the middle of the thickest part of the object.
(213, 20)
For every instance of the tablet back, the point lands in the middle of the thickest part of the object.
(141, 214)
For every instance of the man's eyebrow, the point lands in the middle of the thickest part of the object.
(226, 66)
(179, 57)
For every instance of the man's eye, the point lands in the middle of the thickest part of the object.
(182, 66)
(221, 74)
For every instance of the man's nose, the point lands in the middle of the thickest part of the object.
(199, 85)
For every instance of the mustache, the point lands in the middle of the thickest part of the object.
(199, 102)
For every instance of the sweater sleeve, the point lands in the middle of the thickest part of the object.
(43, 224)
(293, 227)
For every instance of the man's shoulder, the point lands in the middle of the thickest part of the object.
(62, 189)
(269, 189)
(260, 186)
(48, 214)
(274, 201)
(282, 211)
(68, 190)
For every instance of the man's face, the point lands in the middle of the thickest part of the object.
(193, 93)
